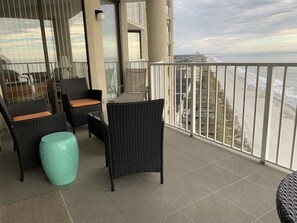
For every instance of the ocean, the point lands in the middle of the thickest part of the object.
(280, 57)
(284, 57)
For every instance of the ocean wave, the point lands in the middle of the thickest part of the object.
(216, 60)
(291, 83)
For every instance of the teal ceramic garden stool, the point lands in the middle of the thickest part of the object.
(59, 157)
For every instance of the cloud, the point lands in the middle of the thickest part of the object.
(233, 26)
(21, 39)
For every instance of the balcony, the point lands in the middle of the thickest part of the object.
(214, 176)
(203, 183)
(135, 13)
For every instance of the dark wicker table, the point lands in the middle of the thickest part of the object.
(95, 125)
(286, 199)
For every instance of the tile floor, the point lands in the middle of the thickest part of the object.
(203, 183)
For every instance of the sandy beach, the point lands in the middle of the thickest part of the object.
(287, 122)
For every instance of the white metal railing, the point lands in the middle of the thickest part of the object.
(112, 78)
(169, 12)
(137, 64)
(135, 12)
(249, 107)
(170, 37)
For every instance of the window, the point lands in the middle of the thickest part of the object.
(134, 45)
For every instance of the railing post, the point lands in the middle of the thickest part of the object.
(267, 113)
(149, 78)
(193, 100)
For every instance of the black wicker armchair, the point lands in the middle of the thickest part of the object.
(78, 100)
(286, 199)
(134, 138)
(28, 122)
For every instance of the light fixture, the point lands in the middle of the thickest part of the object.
(99, 14)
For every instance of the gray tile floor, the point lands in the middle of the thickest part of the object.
(203, 183)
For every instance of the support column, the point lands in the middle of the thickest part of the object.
(156, 29)
(124, 38)
(171, 32)
(95, 48)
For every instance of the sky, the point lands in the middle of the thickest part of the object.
(235, 26)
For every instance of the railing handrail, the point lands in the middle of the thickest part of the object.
(225, 64)
(37, 62)
(135, 61)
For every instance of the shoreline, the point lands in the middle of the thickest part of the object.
(287, 119)
(276, 97)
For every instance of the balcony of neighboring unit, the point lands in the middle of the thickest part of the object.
(136, 15)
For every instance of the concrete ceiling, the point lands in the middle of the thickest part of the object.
(125, 1)
(29, 8)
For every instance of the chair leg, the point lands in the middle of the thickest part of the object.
(162, 176)
(22, 176)
(106, 161)
(112, 185)
(111, 178)
(107, 156)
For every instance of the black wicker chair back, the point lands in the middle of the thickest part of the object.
(135, 138)
(5, 113)
(7, 118)
(75, 88)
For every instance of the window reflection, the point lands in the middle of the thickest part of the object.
(134, 45)
(110, 46)
(26, 66)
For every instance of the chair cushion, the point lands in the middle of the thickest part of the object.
(31, 116)
(83, 102)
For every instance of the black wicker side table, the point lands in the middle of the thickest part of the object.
(286, 199)
(94, 125)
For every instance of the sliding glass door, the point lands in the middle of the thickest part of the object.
(41, 41)
(111, 48)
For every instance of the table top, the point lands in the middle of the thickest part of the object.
(100, 115)
(57, 137)
(130, 97)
